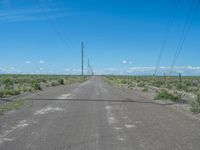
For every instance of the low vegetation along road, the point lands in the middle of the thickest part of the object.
(95, 115)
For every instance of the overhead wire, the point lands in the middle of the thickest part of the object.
(52, 24)
(187, 26)
(167, 33)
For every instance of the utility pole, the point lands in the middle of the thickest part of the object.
(180, 80)
(88, 67)
(82, 54)
(180, 77)
(164, 77)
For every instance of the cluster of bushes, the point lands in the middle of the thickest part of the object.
(166, 95)
(157, 83)
(145, 89)
(16, 84)
(187, 84)
(141, 84)
(4, 92)
(10, 106)
(36, 85)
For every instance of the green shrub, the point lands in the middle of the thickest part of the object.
(1, 93)
(54, 84)
(124, 82)
(158, 83)
(145, 89)
(35, 85)
(165, 95)
(195, 106)
(14, 92)
(26, 89)
(61, 81)
(10, 106)
(9, 92)
(141, 84)
(8, 83)
(131, 85)
(168, 86)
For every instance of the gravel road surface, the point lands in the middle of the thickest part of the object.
(96, 116)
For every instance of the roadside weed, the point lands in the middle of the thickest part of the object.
(11, 106)
(195, 106)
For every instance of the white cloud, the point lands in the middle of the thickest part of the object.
(111, 69)
(34, 14)
(149, 70)
(27, 62)
(185, 70)
(124, 61)
(12, 68)
(145, 70)
(67, 70)
(41, 62)
(76, 70)
(127, 62)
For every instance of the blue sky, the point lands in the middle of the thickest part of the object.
(120, 36)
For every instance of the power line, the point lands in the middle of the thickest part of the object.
(58, 6)
(51, 23)
(187, 26)
(167, 33)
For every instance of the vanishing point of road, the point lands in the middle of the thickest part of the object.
(96, 116)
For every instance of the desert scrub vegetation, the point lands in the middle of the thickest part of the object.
(16, 84)
(166, 95)
(11, 106)
(145, 89)
(35, 85)
(187, 83)
(195, 105)
(119, 80)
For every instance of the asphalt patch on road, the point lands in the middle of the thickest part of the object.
(127, 100)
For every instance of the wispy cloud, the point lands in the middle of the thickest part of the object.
(124, 61)
(149, 70)
(33, 14)
(10, 70)
(185, 70)
(41, 61)
(146, 70)
(27, 62)
(127, 62)
(67, 70)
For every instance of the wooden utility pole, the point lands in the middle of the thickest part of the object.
(88, 67)
(82, 55)
(180, 77)
(180, 80)
(164, 77)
